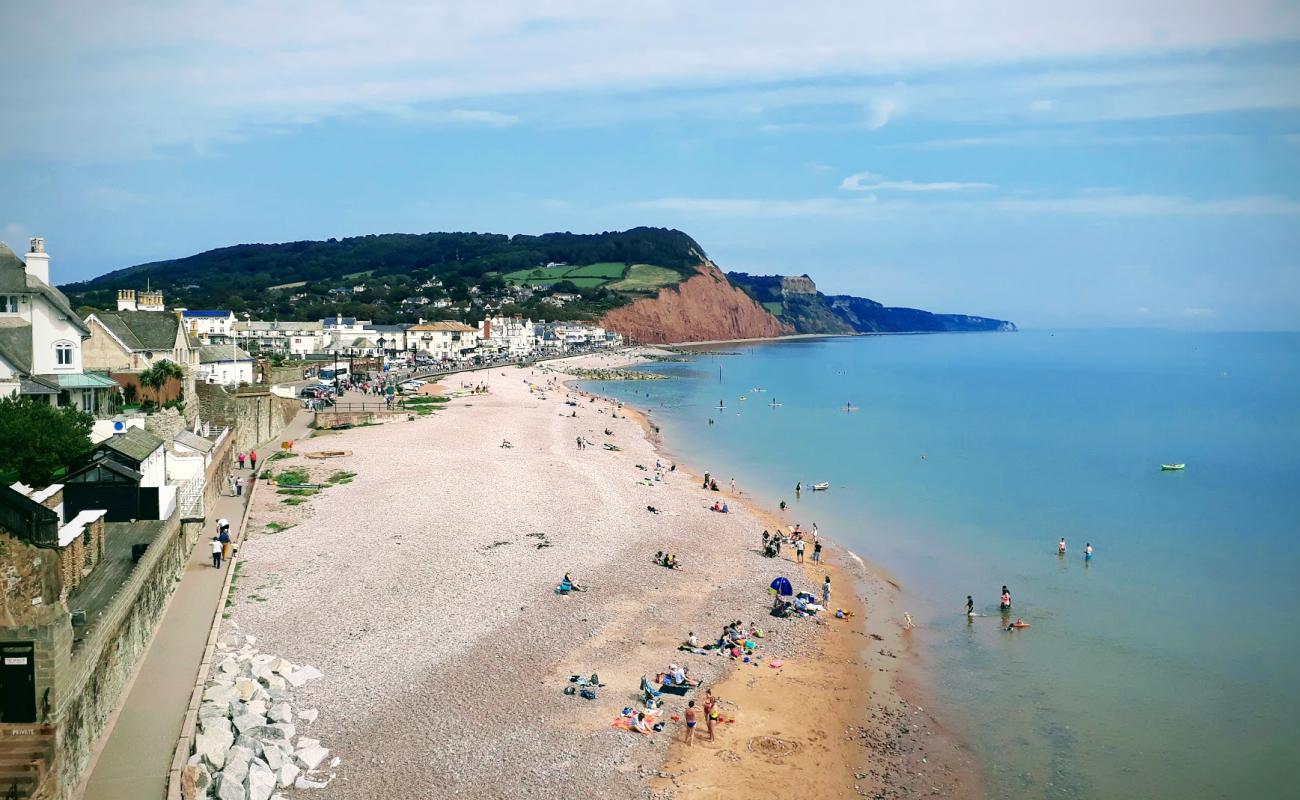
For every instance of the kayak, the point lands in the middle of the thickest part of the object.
(1172, 467)
(821, 487)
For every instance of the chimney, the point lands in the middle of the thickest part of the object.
(151, 301)
(126, 299)
(38, 261)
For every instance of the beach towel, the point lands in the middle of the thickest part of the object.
(775, 664)
(651, 718)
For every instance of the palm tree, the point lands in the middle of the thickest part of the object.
(157, 376)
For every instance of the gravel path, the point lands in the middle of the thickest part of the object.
(423, 590)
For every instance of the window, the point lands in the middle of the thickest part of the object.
(63, 354)
(8, 304)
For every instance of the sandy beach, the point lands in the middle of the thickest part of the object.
(423, 589)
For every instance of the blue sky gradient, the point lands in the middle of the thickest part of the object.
(1063, 164)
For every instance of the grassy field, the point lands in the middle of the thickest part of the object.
(645, 278)
(614, 275)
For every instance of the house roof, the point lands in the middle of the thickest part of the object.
(82, 380)
(454, 327)
(108, 464)
(36, 385)
(333, 322)
(390, 328)
(190, 312)
(14, 278)
(214, 353)
(277, 325)
(135, 443)
(194, 442)
(16, 345)
(141, 330)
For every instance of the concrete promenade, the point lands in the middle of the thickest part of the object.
(136, 752)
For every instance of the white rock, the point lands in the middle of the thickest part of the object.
(334, 762)
(228, 666)
(247, 721)
(310, 758)
(280, 712)
(288, 773)
(237, 761)
(305, 782)
(211, 709)
(282, 667)
(245, 688)
(212, 745)
(310, 673)
(210, 723)
(221, 693)
(261, 781)
(308, 715)
(295, 679)
(228, 788)
(306, 741)
(274, 757)
(256, 707)
(287, 728)
(251, 639)
(276, 683)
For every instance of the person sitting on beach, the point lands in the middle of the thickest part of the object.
(568, 584)
(670, 561)
(608, 432)
(725, 509)
(691, 640)
(638, 724)
(506, 443)
(675, 676)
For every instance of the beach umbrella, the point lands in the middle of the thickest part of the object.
(782, 587)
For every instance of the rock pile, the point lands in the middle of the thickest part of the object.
(247, 744)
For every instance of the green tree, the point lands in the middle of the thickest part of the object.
(157, 376)
(40, 440)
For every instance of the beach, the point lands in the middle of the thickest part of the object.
(422, 587)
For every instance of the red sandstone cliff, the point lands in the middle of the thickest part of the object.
(702, 308)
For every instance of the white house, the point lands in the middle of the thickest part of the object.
(209, 326)
(225, 364)
(41, 337)
(445, 341)
(509, 336)
(292, 338)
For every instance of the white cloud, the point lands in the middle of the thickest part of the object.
(871, 182)
(208, 72)
(1042, 105)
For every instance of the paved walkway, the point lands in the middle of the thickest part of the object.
(137, 752)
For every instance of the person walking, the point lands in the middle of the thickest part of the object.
(239, 487)
(216, 552)
(826, 592)
(733, 485)
(241, 457)
(817, 551)
(224, 538)
(252, 457)
(798, 550)
(690, 722)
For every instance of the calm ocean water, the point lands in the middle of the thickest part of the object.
(1169, 666)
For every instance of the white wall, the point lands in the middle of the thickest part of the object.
(154, 469)
(49, 327)
(228, 372)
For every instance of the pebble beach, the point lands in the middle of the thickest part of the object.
(422, 588)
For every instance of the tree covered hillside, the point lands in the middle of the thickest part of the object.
(394, 277)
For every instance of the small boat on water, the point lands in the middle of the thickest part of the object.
(743, 397)
(758, 389)
(774, 404)
(1172, 467)
(821, 487)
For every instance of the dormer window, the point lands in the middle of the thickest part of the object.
(63, 354)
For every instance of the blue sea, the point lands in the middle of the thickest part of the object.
(1169, 665)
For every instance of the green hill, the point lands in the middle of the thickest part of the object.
(383, 277)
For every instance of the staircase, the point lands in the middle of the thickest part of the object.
(26, 761)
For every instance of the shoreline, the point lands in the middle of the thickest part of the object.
(437, 623)
(850, 657)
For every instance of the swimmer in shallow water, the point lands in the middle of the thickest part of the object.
(1019, 623)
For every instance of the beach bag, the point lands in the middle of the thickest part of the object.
(587, 694)
(570, 690)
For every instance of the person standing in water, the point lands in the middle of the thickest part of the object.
(798, 487)
(1060, 548)
(1087, 552)
(1005, 604)
(970, 606)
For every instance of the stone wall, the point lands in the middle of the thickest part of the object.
(326, 420)
(287, 373)
(256, 416)
(29, 578)
(165, 423)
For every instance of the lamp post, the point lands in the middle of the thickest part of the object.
(336, 376)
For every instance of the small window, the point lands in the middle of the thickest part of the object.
(63, 355)
(8, 304)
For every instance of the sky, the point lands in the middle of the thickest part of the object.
(1059, 164)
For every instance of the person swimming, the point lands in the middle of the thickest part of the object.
(1019, 623)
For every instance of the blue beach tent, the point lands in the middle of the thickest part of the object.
(782, 587)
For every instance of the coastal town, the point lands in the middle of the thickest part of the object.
(232, 469)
